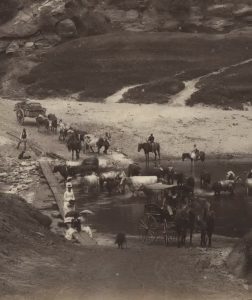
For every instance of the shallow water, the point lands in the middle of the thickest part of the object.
(122, 212)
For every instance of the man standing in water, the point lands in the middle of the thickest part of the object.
(23, 139)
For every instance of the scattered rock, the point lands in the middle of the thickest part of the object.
(29, 45)
(12, 48)
(66, 29)
(131, 15)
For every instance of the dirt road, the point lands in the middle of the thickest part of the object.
(175, 128)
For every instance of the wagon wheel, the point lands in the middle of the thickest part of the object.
(172, 234)
(20, 117)
(148, 229)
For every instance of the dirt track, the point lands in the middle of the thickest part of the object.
(175, 128)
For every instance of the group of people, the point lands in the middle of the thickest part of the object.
(77, 222)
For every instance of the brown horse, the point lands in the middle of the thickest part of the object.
(149, 147)
(185, 221)
(74, 145)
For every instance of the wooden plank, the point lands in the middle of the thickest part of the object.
(58, 192)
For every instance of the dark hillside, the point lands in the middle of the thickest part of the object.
(99, 66)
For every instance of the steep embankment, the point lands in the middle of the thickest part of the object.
(36, 264)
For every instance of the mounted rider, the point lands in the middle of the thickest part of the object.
(107, 137)
(195, 151)
(151, 140)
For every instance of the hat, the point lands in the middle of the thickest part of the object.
(69, 178)
(69, 185)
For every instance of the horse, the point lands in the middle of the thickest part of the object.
(169, 174)
(54, 122)
(74, 145)
(206, 224)
(112, 179)
(42, 121)
(121, 240)
(63, 170)
(205, 179)
(102, 143)
(188, 185)
(91, 141)
(62, 134)
(134, 170)
(180, 177)
(225, 186)
(184, 221)
(155, 171)
(149, 147)
(194, 157)
(112, 184)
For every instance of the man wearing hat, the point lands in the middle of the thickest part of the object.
(69, 201)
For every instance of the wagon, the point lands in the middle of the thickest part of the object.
(29, 109)
(158, 219)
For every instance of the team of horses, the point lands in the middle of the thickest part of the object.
(75, 139)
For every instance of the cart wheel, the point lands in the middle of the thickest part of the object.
(20, 117)
(148, 229)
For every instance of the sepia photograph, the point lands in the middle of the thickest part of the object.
(125, 149)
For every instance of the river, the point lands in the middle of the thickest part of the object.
(122, 212)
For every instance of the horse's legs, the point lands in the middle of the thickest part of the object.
(191, 235)
(105, 149)
(209, 235)
(91, 148)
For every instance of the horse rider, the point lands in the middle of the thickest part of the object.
(249, 174)
(151, 140)
(230, 175)
(107, 137)
(61, 125)
(23, 139)
(69, 201)
(195, 150)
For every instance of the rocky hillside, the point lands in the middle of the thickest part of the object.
(41, 41)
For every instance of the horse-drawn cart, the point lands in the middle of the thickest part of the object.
(158, 219)
(29, 109)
